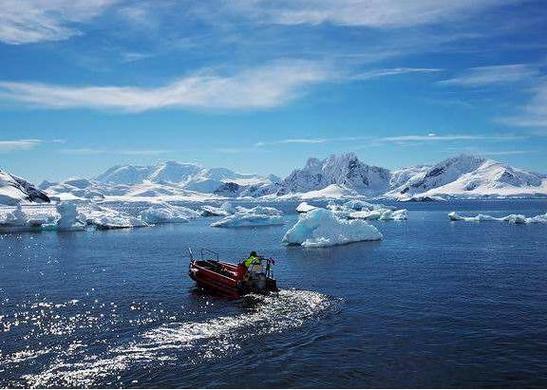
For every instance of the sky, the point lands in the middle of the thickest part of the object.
(259, 86)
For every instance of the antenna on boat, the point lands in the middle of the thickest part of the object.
(190, 254)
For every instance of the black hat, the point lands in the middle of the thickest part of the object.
(253, 253)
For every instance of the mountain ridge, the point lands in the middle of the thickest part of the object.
(345, 175)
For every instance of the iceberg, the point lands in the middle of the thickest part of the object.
(304, 207)
(166, 213)
(224, 210)
(69, 220)
(511, 218)
(256, 216)
(105, 218)
(261, 210)
(380, 214)
(321, 228)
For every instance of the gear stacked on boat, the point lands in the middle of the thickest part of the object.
(252, 275)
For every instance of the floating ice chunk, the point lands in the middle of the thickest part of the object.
(542, 218)
(397, 215)
(321, 227)
(69, 217)
(380, 214)
(304, 207)
(256, 216)
(511, 218)
(166, 213)
(248, 219)
(224, 210)
(260, 210)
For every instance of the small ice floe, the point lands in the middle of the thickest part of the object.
(256, 216)
(224, 210)
(166, 213)
(380, 214)
(304, 207)
(261, 210)
(359, 209)
(321, 228)
(70, 219)
(511, 218)
(104, 218)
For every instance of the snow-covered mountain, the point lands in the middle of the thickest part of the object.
(340, 176)
(467, 176)
(166, 179)
(14, 190)
(345, 171)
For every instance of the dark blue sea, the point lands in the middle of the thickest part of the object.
(435, 304)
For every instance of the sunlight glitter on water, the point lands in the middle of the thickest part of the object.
(194, 341)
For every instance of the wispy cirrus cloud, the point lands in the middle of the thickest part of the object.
(533, 113)
(367, 13)
(492, 75)
(30, 21)
(18, 144)
(261, 87)
(378, 73)
(400, 139)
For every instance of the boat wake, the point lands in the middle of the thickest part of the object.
(191, 341)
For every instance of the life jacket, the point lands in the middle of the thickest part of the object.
(251, 260)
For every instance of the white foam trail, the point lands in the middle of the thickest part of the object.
(212, 338)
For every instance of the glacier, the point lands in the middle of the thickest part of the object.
(322, 228)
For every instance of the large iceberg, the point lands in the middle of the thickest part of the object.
(70, 219)
(166, 213)
(511, 218)
(256, 216)
(321, 227)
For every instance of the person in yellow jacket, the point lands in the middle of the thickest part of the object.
(252, 260)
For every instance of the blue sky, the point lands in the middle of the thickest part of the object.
(259, 86)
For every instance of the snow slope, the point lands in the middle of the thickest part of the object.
(471, 177)
(336, 177)
(14, 190)
(345, 171)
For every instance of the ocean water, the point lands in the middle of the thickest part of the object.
(435, 304)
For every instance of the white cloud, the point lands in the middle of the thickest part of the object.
(19, 144)
(496, 74)
(400, 139)
(258, 88)
(534, 113)
(29, 21)
(369, 13)
(377, 73)
(451, 137)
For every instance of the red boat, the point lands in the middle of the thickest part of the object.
(231, 280)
